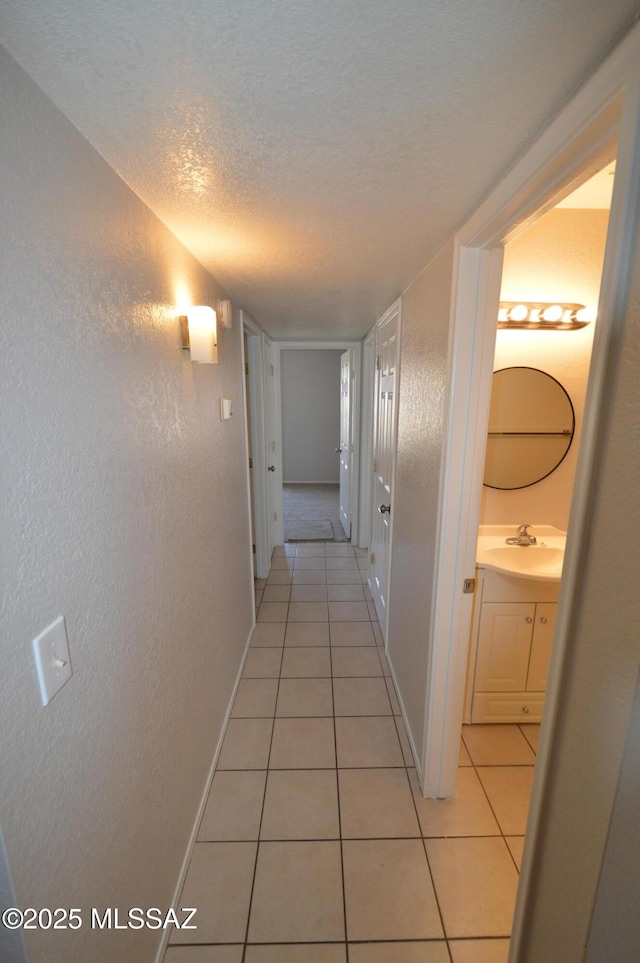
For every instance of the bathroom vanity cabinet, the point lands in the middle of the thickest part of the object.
(511, 636)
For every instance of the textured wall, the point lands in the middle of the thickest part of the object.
(424, 336)
(559, 258)
(310, 383)
(125, 509)
(594, 709)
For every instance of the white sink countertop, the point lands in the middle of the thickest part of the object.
(542, 561)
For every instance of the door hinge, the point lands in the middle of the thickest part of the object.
(469, 586)
(375, 464)
(246, 367)
(250, 462)
(373, 558)
(254, 549)
(271, 370)
(378, 362)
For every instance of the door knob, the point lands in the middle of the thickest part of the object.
(271, 468)
(385, 509)
(543, 620)
(528, 619)
(338, 451)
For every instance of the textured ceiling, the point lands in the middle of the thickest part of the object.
(313, 154)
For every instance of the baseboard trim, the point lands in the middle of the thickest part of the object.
(337, 482)
(164, 942)
(412, 744)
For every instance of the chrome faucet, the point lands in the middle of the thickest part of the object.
(523, 537)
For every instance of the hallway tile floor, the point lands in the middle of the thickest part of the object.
(316, 845)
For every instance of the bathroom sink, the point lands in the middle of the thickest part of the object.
(542, 561)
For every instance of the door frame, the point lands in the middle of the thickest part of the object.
(280, 346)
(366, 439)
(256, 447)
(602, 117)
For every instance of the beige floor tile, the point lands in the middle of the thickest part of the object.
(279, 577)
(308, 593)
(479, 951)
(469, 814)
(246, 744)
(349, 612)
(258, 599)
(464, 759)
(298, 953)
(279, 552)
(234, 807)
(337, 563)
(343, 576)
(262, 663)
(346, 593)
(305, 697)
(393, 698)
(434, 951)
(388, 891)
(305, 577)
(270, 634)
(339, 549)
(516, 845)
(297, 894)
(281, 562)
(376, 803)
(367, 743)
(310, 551)
(309, 564)
(255, 698)
(204, 954)
(273, 612)
(276, 593)
(310, 662)
(497, 745)
(308, 612)
(361, 697)
(352, 633)
(303, 744)
(218, 883)
(371, 609)
(509, 790)
(259, 583)
(301, 804)
(476, 883)
(352, 661)
(377, 632)
(531, 732)
(307, 633)
(405, 745)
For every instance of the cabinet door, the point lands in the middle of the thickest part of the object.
(545, 620)
(504, 643)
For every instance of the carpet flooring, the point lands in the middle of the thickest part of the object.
(312, 513)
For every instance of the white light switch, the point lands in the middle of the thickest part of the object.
(51, 650)
(226, 409)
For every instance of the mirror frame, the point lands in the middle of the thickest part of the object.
(573, 429)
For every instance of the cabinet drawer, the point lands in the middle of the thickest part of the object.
(507, 707)
(510, 588)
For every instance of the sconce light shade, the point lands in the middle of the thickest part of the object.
(541, 316)
(199, 334)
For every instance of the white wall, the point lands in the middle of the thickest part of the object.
(559, 258)
(310, 383)
(421, 416)
(125, 510)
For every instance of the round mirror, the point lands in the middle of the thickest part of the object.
(531, 424)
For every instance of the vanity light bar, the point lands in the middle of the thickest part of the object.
(547, 316)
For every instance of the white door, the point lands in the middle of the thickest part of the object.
(272, 456)
(347, 373)
(384, 446)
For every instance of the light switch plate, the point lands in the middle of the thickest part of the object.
(53, 662)
(226, 409)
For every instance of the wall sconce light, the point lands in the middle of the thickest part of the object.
(199, 334)
(544, 316)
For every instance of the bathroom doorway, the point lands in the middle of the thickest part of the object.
(552, 270)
